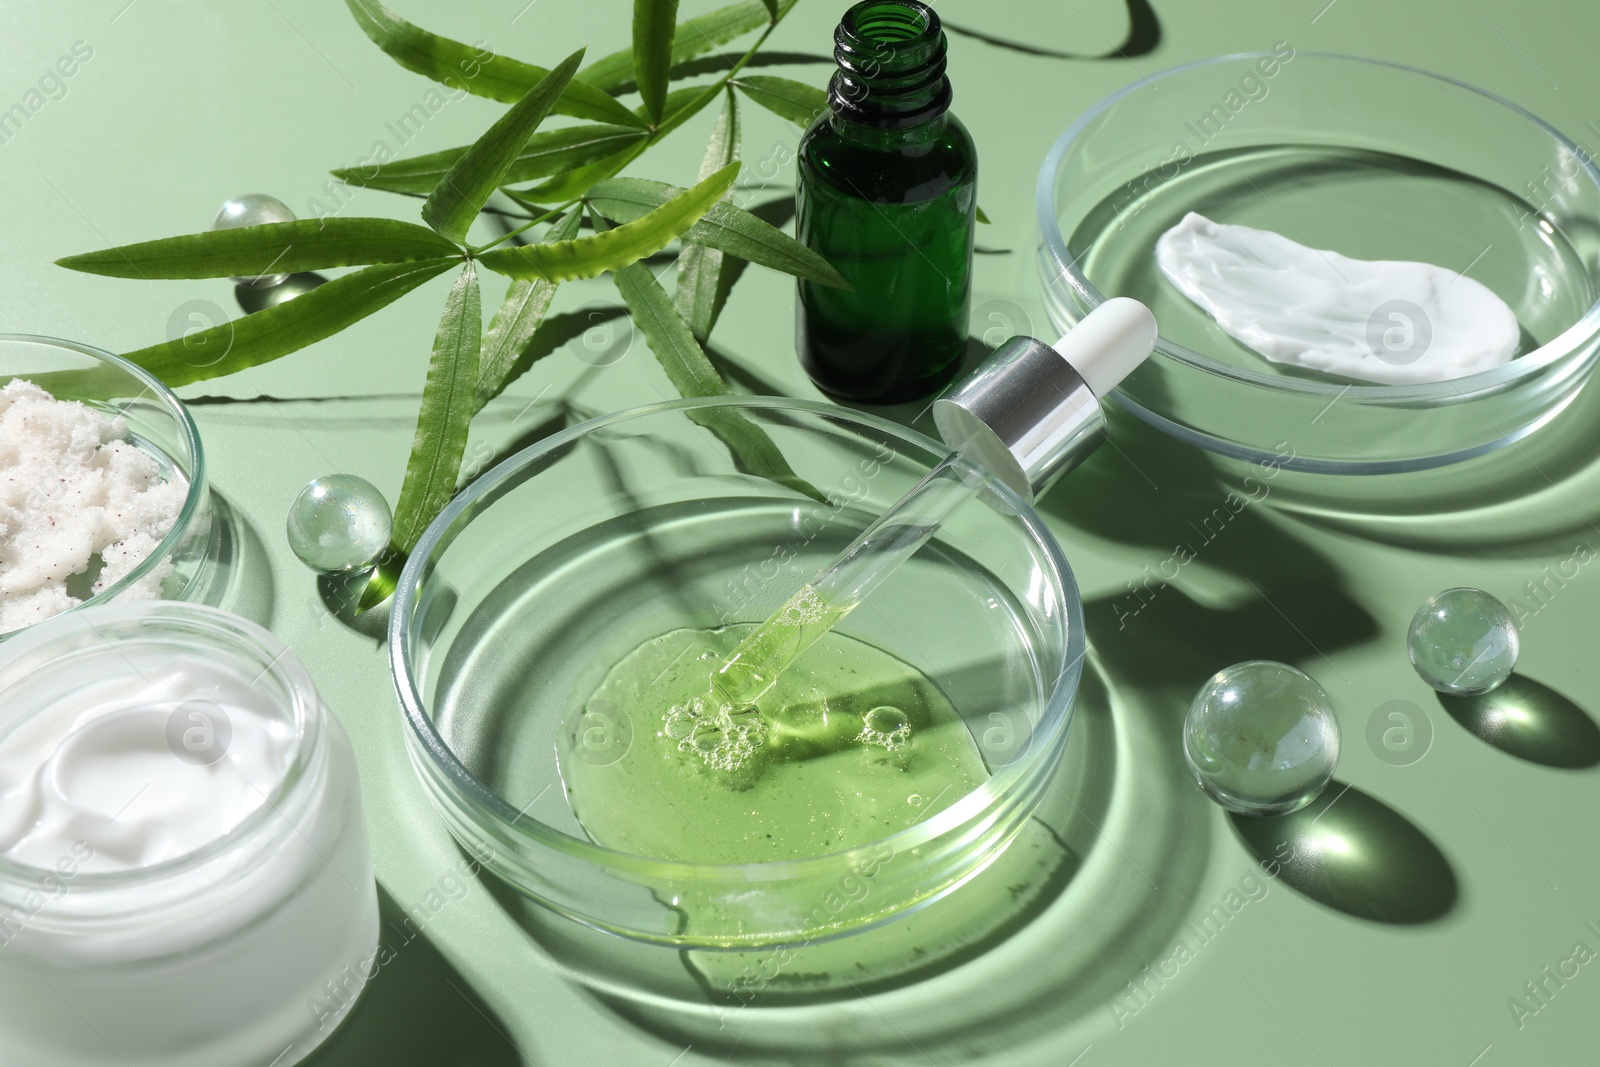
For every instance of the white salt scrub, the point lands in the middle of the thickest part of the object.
(74, 493)
(1388, 321)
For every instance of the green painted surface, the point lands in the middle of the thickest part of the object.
(1460, 864)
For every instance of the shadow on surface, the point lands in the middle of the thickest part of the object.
(417, 1009)
(1222, 584)
(1353, 853)
(237, 572)
(1144, 37)
(1531, 721)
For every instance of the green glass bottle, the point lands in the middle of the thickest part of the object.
(886, 192)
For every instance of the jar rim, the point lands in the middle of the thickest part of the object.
(221, 629)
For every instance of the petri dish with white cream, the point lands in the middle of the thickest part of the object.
(184, 870)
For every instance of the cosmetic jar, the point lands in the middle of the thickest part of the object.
(244, 948)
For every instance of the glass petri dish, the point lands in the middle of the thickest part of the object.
(1371, 159)
(561, 560)
(159, 424)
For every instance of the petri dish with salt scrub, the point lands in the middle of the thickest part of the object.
(555, 633)
(1370, 160)
(150, 467)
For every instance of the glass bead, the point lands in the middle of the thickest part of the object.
(1463, 642)
(254, 209)
(339, 523)
(1261, 739)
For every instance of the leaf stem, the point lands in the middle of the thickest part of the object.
(479, 250)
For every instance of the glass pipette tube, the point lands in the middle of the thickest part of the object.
(819, 605)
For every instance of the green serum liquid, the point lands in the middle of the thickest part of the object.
(845, 746)
(886, 192)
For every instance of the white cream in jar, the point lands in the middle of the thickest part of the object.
(183, 862)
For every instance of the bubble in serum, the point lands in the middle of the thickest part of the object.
(1463, 642)
(886, 726)
(1261, 739)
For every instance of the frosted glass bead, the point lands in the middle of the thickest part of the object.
(339, 523)
(1261, 739)
(1463, 642)
(254, 209)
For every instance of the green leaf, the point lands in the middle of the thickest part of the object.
(682, 104)
(982, 217)
(654, 24)
(269, 334)
(449, 400)
(272, 248)
(476, 70)
(516, 320)
(545, 153)
(587, 257)
(699, 293)
(692, 374)
(784, 97)
(772, 9)
(462, 192)
(731, 229)
(382, 582)
(614, 73)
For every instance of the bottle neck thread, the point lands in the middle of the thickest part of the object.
(891, 56)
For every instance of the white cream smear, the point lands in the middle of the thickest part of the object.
(1393, 322)
(73, 491)
(140, 766)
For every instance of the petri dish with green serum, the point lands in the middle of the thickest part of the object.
(554, 638)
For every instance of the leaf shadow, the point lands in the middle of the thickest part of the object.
(1144, 37)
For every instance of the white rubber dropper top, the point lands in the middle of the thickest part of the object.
(1109, 342)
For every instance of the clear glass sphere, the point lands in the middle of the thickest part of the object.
(1463, 641)
(1261, 739)
(254, 209)
(339, 523)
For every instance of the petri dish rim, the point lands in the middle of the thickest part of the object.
(1049, 731)
(1562, 345)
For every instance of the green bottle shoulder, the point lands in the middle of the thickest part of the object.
(900, 167)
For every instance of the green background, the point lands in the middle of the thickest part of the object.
(1462, 873)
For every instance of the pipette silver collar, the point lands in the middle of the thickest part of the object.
(1026, 415)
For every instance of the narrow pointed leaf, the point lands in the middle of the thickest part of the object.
(699, 292)
(772, 9)
(796, 101)
(478, 71)
(545, 153)
(654, 24)
(516, 320)
(682, 104)
(731, 229)
(982, 217)
(465, 187)
(272, 248)
(694, 37)
(587, 257)
(382, 582)
(449, 400)
(692, 374)
(266, 335)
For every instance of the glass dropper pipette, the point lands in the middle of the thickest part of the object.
(1026, 416)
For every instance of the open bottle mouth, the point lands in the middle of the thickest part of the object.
(891, 56)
